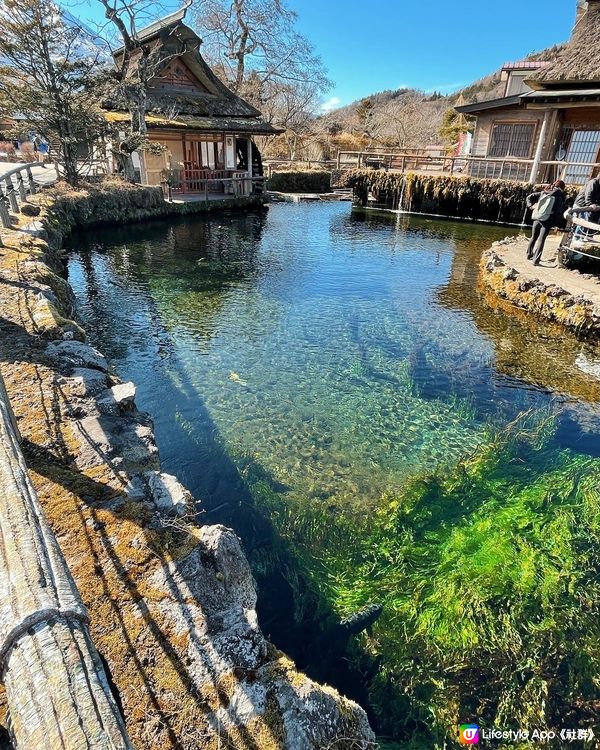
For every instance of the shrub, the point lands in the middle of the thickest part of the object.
(28, 152)
(300, 182)
(7, 148)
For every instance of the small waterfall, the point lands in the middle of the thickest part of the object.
(401, 201)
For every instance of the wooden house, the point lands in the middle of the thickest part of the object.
(547, 124)
(205, 129)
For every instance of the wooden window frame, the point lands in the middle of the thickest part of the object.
(536, 127)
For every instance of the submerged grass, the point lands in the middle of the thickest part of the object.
(489, 579)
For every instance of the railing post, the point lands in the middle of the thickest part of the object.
(12, 198)
(57, 692)
(32, 188)
(21, 187)
(4, 215)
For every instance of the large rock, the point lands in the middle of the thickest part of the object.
(162, 490)
(211, 603)
(126, 442)
(67, 355)
(117, 399)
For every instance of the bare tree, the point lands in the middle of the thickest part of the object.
(48, 75)
(253, 45)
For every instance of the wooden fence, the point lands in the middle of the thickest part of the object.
(15, 186)
(519, 170)
(198, 187)
(56, 688)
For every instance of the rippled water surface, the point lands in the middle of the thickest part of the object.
(344, 353)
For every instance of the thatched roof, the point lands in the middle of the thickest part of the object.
(198, 94)
(579, 62)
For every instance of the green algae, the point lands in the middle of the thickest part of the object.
(489, 581)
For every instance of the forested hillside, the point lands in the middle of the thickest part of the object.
(404, 118)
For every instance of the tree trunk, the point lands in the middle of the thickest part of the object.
(57, 692)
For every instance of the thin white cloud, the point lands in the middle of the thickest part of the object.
(331, 104)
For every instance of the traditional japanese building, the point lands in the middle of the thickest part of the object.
(547, 124)
(206, 130)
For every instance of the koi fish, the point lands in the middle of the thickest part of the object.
(235, 378)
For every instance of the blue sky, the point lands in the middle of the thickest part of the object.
(372, 45)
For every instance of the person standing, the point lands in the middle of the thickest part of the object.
(546, 211)
(589, 198)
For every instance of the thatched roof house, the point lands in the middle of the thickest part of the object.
(548, 123)
(205, 128)
(578, 64)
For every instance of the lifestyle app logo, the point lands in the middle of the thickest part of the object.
(468, 734)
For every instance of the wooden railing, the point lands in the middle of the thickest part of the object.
(204, 187)
(57, 692)
(519, 170)
(12, 194)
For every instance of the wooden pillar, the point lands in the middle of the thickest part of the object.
(4, 214)
(57, 692)
(12, 198)
(535, 168)
(32, 188)
(249, 157)
(21, 187)
(185, 174)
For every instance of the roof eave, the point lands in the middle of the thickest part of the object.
(506, 101)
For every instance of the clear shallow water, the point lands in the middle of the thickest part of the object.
(343, 353)
(335, 356)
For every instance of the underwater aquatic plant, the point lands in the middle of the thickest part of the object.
(489, 580)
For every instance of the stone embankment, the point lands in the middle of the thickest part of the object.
(558, 294)
(171, 602)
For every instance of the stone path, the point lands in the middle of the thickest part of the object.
(572, 281)
(42, 175)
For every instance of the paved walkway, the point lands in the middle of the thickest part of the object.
(42, 175)
(572, 281)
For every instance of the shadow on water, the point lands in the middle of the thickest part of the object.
(292, 613)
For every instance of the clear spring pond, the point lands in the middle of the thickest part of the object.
(330, 355)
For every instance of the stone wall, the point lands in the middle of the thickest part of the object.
(172, 602)
(548, 300)
(115, 201)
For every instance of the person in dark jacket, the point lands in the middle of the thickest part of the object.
(542, 227)
(589, 197)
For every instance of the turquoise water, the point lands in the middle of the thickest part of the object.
(331, 354)
(342, 353)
